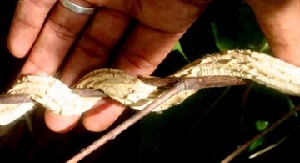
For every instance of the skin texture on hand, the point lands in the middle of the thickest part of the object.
(45, 31)
(47, 39)
(280, 23)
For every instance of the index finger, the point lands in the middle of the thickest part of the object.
(26, 24)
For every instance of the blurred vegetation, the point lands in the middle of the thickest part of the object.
(205, 128)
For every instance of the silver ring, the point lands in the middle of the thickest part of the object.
(76, 8)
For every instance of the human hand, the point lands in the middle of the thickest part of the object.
(44, 31)
(280, 21)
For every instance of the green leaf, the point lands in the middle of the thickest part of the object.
(238, 30)
(292, 106)
(258, 142)
(261, 124)
(178, 48)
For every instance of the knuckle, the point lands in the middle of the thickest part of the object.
(142, 64)
(61, 31)
(134, 8)
(93, 47)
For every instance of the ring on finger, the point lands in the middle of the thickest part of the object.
(76, 8)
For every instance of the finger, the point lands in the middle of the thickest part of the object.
(145, 49)
(168, 15)
(280, 24)
(103, 115)
(93, 120)
(91, 51)
(162, 23)
(59, 32)
(58, 124)
(24, 28)
(93, 48)
(149, 48)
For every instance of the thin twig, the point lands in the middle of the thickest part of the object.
(270, 147)
(263, 133)
(116, 131)
(161, 83)
(183, 84)
(24, 98)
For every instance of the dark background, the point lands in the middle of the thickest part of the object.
(205, 128)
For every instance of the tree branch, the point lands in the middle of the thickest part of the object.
(163, 83)
(181, 85)
(263, 133)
